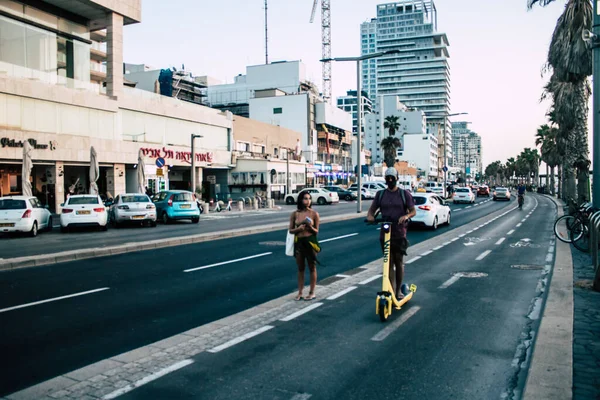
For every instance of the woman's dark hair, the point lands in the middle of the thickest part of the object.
(300, 202)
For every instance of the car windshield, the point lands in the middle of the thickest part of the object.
(500, 190)
(462, 190)
(420, 200)
(80, 201)
(10, 204)
(182, 197)
(135, 199)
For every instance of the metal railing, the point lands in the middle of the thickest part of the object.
(594, 226)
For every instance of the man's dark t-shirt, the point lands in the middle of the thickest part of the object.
(392, 208)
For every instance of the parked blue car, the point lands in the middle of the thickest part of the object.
(174, 205)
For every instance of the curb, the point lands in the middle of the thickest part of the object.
(73, 255)
(551, 368)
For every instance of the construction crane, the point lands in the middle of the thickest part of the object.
(326, 43)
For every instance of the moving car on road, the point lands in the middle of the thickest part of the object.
(483, 191)
(174, 205)
(501, 193)
(133, 207)
(463, 195)
(342, 193)
(83, 210)
(432, 210)
(23, 214)
(319, 196)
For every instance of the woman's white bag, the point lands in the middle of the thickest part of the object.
(289, 244)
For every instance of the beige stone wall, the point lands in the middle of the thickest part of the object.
(272, 136)
(131, 9)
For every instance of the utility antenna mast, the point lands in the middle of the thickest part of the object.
(326, 43)
(266, 33)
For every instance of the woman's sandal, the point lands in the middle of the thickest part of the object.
(311, 296)
(299, 297)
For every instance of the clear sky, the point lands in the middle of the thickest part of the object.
(497, 50)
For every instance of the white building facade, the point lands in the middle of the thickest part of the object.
(50, 102)
(420, 73)
(468, 154)
(349, 104)
(418, 144)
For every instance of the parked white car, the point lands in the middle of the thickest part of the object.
(366, 194)
(463, 195)
(83, 210)
(319, 196)
(23, 214)
(134, 208)
(432, 210)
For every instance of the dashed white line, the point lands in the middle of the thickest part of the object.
(449, 282)
(455, 239)
(412, 260)
(385, 332)
(551, 250)
(467, 207)
(228, 262)
(519, 225)
(510, 232)
(524, 219)
(437, 248)
(462, 236)
(343, 276)
(301, 312)
(35, 303)
(343, 292)
(371, 279)
(549, 257)
(301, 396)
(499, 242)
(243, 338)
(339, 237)
(447, 243)
(427, 253)
(148, 379)
(483, 255)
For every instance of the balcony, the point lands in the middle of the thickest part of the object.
(333, 137)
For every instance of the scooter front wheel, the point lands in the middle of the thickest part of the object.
(383, 309)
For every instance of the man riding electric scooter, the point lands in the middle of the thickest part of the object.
(395, 204)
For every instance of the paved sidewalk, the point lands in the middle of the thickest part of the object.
(586, 332)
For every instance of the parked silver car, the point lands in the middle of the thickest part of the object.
(133, 207)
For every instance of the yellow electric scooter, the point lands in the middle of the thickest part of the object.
(386, 299)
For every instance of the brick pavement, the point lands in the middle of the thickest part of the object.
(586, 330)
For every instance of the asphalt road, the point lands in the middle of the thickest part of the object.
(149, 297)
(19, 245)
(458, 342)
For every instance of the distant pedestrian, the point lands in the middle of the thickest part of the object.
(304, 224)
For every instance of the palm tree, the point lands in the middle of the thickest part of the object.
(510, 169)
(550, 154)
(390, 145)
(391, 124)
(570, 60)
(541, 136)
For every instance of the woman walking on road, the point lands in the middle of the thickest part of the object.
(304, 224)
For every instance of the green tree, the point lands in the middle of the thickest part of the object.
(570, 61)
(390, 146)
(391, 124)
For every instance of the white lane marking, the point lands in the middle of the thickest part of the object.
(519, 225)
(447, 243)
(467, 207)
(301, 312)
(338, 238)
(35, 303)
(499, 242)
(371, 279)
(551, 250)
(462, 236)
(449, 282)
(437, 248)
(412, 260)
(241, 339)
(343, 292)
(343, 276)
(483, 255)
(454, 240)
(524, 219)
(471, 231)
(385, 332)
(427, 253)
(301, 396)
(148, 379)
(475, 205)
(228, 262)
(549, 257)
(510, 232)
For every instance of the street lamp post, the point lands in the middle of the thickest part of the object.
(193, 156)
(359, 113)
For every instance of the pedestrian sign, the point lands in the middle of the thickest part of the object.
(160, 162)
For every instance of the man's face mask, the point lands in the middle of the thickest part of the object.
(390, 181)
